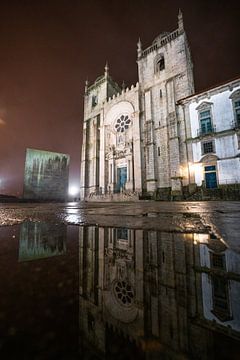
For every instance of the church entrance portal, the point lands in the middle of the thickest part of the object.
(121, 178)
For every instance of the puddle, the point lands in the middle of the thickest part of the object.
(73, 292)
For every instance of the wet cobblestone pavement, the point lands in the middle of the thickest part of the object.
(223, 217)
(120, 280)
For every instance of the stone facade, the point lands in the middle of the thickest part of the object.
(143, 141)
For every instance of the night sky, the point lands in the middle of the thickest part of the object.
(49, 48)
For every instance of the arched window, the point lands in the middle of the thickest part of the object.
(94, 100)
(159, 63)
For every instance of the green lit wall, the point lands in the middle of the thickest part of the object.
(46, 175)
(41, 240)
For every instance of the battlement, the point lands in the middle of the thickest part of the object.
(121, 95)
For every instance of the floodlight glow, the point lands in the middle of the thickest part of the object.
(73, 190)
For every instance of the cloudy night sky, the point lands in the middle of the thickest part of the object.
(49, 48)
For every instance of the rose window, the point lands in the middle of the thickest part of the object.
(124, 292)
(122, 123)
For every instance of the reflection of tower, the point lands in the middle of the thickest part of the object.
(166, 287)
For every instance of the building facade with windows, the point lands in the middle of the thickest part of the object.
(158, 138)
(213, 135)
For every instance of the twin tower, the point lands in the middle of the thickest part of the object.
(134, 139)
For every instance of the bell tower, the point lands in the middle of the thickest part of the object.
(94, 98)
(165, 73)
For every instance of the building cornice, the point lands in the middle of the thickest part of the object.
(213, 90)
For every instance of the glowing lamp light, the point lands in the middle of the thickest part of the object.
(73, 190)
(191, 166)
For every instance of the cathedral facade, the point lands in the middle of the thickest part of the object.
(136, 140)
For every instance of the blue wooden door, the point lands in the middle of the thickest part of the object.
(210, 177)
(121, 178)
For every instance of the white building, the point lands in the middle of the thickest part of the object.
(213, 135)
(157, 138)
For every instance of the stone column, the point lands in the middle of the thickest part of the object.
(149, 141)
(102, 154)
(129, 183)
(136, 155)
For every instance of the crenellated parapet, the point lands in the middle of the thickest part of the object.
(122, 95)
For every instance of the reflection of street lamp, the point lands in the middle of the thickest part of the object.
(73, 190)
(192, 167)
(189, 172)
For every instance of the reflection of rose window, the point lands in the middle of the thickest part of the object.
(122, 123)
(124, 292)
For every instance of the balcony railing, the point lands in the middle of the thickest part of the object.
(206, 131)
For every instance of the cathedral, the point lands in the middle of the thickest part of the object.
(138, 141)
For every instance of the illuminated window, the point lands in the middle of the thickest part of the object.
(207, 147)
(235, 97)
(205, 121)
(205, 118)
(237, 111)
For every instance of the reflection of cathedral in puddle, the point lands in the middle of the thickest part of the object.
(157, 292)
